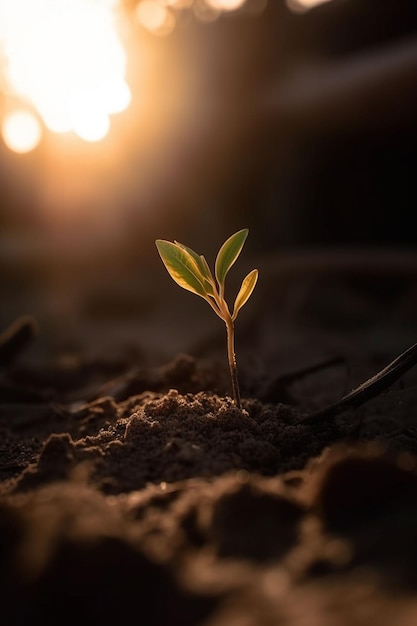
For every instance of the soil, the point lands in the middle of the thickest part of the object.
(133, 490)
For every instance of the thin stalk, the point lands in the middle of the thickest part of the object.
(369, 389)
(214, 306)
(232, 361)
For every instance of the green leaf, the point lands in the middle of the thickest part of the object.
(206, 277)
(245, 292)
(181, 266)
(228, 254)
(205, 268)
(195, 256)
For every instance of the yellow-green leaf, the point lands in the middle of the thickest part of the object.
(245, 292)
(205, 277)
(195, 256)
(181, 266)
(205, 268)
(208, 276)
(228, 254)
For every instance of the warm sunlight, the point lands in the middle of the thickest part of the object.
(21, 131)
(300, 6)
(65, 58)
(156, 18)
(226, 5)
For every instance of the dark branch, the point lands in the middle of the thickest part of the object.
(369, 389)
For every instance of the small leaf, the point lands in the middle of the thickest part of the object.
(208, 276)
(195, 256)
(205, 268)
(181, 266)
(228, 254)
(245, 292)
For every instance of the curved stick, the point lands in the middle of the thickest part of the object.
(369, 389)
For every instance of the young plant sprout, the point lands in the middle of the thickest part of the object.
(191, 272)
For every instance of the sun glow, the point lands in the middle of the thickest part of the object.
(301, 6)
(21, 131)
(155, 17)
(226, 5)
(65, 58)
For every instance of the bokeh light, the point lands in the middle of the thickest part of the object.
(226, 5)
(179, 4)
(155, 17)
(21, 131)
(205, 12)
(115, 92)
(67, 59)
(300, 6)
(54, 51)
(88, 120)
(112, 100)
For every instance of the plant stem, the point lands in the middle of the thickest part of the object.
(232, 361)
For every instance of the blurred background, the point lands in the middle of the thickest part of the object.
(123, 121)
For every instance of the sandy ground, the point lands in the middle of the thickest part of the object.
(132, 488)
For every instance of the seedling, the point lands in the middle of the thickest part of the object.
(191, 272)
